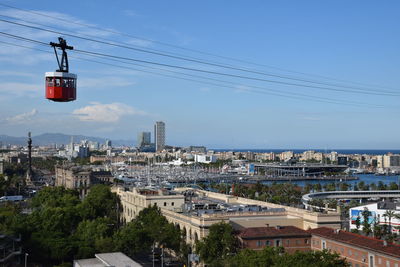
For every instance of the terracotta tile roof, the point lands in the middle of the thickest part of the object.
(272, 232)
(357, 240)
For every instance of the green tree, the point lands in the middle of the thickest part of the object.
(393, 186)
(378, 231)
(365, 223)
(358, 223)
(311, 258)
(101, 202)
(344, 187)
(317, 187)
(218, 245)
(275, 257)
(248, 257)
(389, 214)
(148, 228)
(381, 186)
(90, 236)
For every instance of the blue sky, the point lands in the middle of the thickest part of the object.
(353, 41)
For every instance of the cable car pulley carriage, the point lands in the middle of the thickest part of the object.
(61, 85)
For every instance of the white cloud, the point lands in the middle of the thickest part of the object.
(23, 117)
(98, 112)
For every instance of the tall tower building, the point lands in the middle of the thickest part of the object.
(29, 172)
(143, 139)
(159, 135)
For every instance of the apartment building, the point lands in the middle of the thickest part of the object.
(291, 238)
(358, 250)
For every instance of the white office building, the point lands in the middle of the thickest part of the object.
(378, 214)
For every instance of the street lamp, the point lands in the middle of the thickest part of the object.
(26, 259)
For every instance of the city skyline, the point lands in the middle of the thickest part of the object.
(344, 41)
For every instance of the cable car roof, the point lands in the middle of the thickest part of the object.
(60, 74)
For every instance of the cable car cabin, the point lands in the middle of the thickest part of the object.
(60, 86)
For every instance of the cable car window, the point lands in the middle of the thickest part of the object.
(58, 81)
(49, 81)
(65, 82)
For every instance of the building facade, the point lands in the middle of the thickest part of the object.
(358, 250)
(80, 178)
(379, 214)
(159, 135)
(135, 200)
(291, 238)
(194, 211)
(143, 139)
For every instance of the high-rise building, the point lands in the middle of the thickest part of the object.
(159, 135)
(108, 144)
(143, 139)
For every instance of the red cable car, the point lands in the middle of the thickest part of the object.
(61, 85)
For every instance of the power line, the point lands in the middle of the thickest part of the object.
(229, 82)
(212, 72)
(354, 89)
(231, 75)
(181, 47)
(264, 90)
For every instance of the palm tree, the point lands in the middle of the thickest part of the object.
(397, 216)
(390, 214)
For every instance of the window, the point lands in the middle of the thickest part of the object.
(323, 245)
(396, 265)
(50, 81)
(277, 243)
(259, 243)
(267, 243)
(357, 265)
(341, 250)
(165, 204)
(172, 203)
(387, 263)
(371, 261)
(306, 241)
(350, 253)
(288, 242)
(379, 260)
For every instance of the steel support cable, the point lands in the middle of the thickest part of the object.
(354, 89)
(229, 82)
(234, 75)
(265, 91)
(206, 71)
(179, 47)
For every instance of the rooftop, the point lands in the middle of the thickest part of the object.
(115, 259)
(358, 241)
(271, 232)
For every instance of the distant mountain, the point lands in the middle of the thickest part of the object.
(57, 138)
